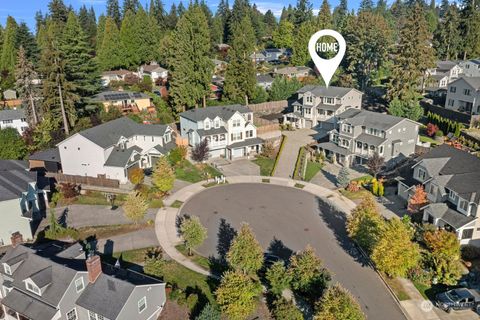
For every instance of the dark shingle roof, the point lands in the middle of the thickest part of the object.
(462, 166)
(15, 181)
(224, 112)
(46, 155)
(370, 119)
(121, 157)
(204, 133)
(473, 81)
(119, 95)
(108, 134)
(264, 78)
(29, 306)
(370, 139)
(12, 114)
(450, 216)
(245, 143)
(324, 91)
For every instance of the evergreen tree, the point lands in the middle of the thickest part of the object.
(470, 29)
(39, 21)
(324, 19)
(240, 10)
(190, 64)
(100, 33)
(413, 55)
(129, 40)
(157, 11)
(172, 18)
(113, 11)
(300, 55)
(245, 253)
(12, 146)
(147, 34)
(181, 9)
(209, 312)
(25, 39)
(365, 5)
(444, 5)
(9, 48)
(407, 107)
(338, 303)
(58, 11)
(270, 23)
(381, 8)
(223, 13)
(24, 78)
(257, 22)
(447, 38)
(303, 12)
(80, 68)
(340, 14)
(240, 78)
(88, 22)
(343, 177)
(130, 5)
(58, 93)
(283, 36)
(369, 38)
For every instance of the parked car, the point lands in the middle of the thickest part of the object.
(458, 299)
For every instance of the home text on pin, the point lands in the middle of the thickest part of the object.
(325, 47)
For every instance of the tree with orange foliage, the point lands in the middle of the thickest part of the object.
(418, 200)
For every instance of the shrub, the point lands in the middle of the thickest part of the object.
(431, 129)
(353, 186)
(420, 275)
(439, 133)
(69, 190)
(191, 301)
(268, 150)
(177, 155)
(136, 176)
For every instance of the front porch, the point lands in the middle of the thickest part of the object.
(244, 148)
(342, 155)
(295, 119)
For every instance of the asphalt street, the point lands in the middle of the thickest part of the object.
(285, 220)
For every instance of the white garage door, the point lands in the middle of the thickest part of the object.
(237, 153)
(217, 153)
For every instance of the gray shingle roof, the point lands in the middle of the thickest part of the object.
(370, 139)
(14, 179)
(330, 146)
(446, 65)
(204, 133)
(264, 78)
(108, 134)
(473, 81)
(29, 306)
(245, 143)
(46, 155)
(370, 119)
(452, 217)
(463, 167)
(320, 91)
(166, 148)
(12, 114)
(121, 157)
(224, 112)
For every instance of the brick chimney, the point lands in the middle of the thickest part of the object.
(16, 239)
(94, 268)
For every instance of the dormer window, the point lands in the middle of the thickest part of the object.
(7, 269)
(329, 100)
(309, 99)
(79, 285)
(207, 124)
(33, 288)
(422, 174)
(217, 123)
(167, 137)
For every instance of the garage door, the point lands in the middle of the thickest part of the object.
(217, 153)
(237, 153)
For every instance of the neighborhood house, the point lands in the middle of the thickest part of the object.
(13, 118)
(360, 133)
(125, 101)
(111, 150)
(114, 75)
(451, 179)
(154, 71)
(52, 283)
(318, 106)
(229, 130)
(463, 95)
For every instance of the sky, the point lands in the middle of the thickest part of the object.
(24, 10)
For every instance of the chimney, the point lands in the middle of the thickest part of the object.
(16, 239)
(94, 268)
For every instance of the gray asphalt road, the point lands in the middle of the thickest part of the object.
(286, 220)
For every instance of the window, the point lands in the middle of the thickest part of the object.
(466, 92)
(72, 314)
(167, 137)
(453, 89)
(7, 121)
(308, 111)
(467, 234)
(217, 123)
(249, 134)
(207, 124)
(453, 196)
(309, 99)
(222, 137)
(421, 174)
(450, 102)
(359, 145)
(79, 285)
(94, 316)
(236, 123)
(7, 269)
(329, 100)
(463, 205)
(347, 128)
(236, 136)
(432, 190)
(380, 151)
(33, 288)
(142, 304)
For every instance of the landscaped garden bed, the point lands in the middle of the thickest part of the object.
(193, 173)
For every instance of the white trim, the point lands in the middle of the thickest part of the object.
(7, 269)
(76, 314)
(83, 285)
(138, 304)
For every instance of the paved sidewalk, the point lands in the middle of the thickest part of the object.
(288, 157)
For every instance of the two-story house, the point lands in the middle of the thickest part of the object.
(154, 71)
(112, 149)
(463, 95)
(300, 72)
(229, 130)
(439, 77)
(46, 284)
(23, 199)
(125, 101)
(360, 133)
(451, 179)
(14, 118)
(318, 106)
(471, 68)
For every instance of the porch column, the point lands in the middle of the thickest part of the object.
(45, 196)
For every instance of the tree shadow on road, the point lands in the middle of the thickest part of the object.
(226, 234)
(336, 221)
(278, 248)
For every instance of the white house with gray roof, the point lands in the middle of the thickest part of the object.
(318, 106)
(451, 179)
(14, 118)
(439, 77)
(359, 134)
(463, 95)
(50, 283)
(229, 130)
(471, 68)
(23, 199)
(112, 149)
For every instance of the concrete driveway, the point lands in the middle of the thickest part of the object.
(241, 167)
(288, 157)
(286, 220)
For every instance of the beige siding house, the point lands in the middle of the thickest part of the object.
(463, 95)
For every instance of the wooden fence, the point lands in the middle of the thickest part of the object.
(100, 182)
(268, 128)
(271, 107)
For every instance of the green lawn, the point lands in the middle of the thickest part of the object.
(98, 198)
(359, 195)
(102, 232)
(429, 291)
(265, 164)
(198, 259)
(136, 256)
(427, 139)
(397, 287)
(177, 204)
(364, 178)
(189, 172)
(312, 169)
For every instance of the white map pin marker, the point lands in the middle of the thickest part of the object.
(326, 67)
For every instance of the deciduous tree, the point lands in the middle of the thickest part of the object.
(193, 232)
(12, 146)
(339, 304)
(136, 176)
(135, 206)
(286, 310)
(200, 151)
(245, 253)
(237, 295)
(394, 252)
(278, 278)
(163, 175)
(417, 200)
(375, 164)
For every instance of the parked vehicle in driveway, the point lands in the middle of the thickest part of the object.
(458, 299)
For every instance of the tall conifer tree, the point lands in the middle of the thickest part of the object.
(113, 11)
